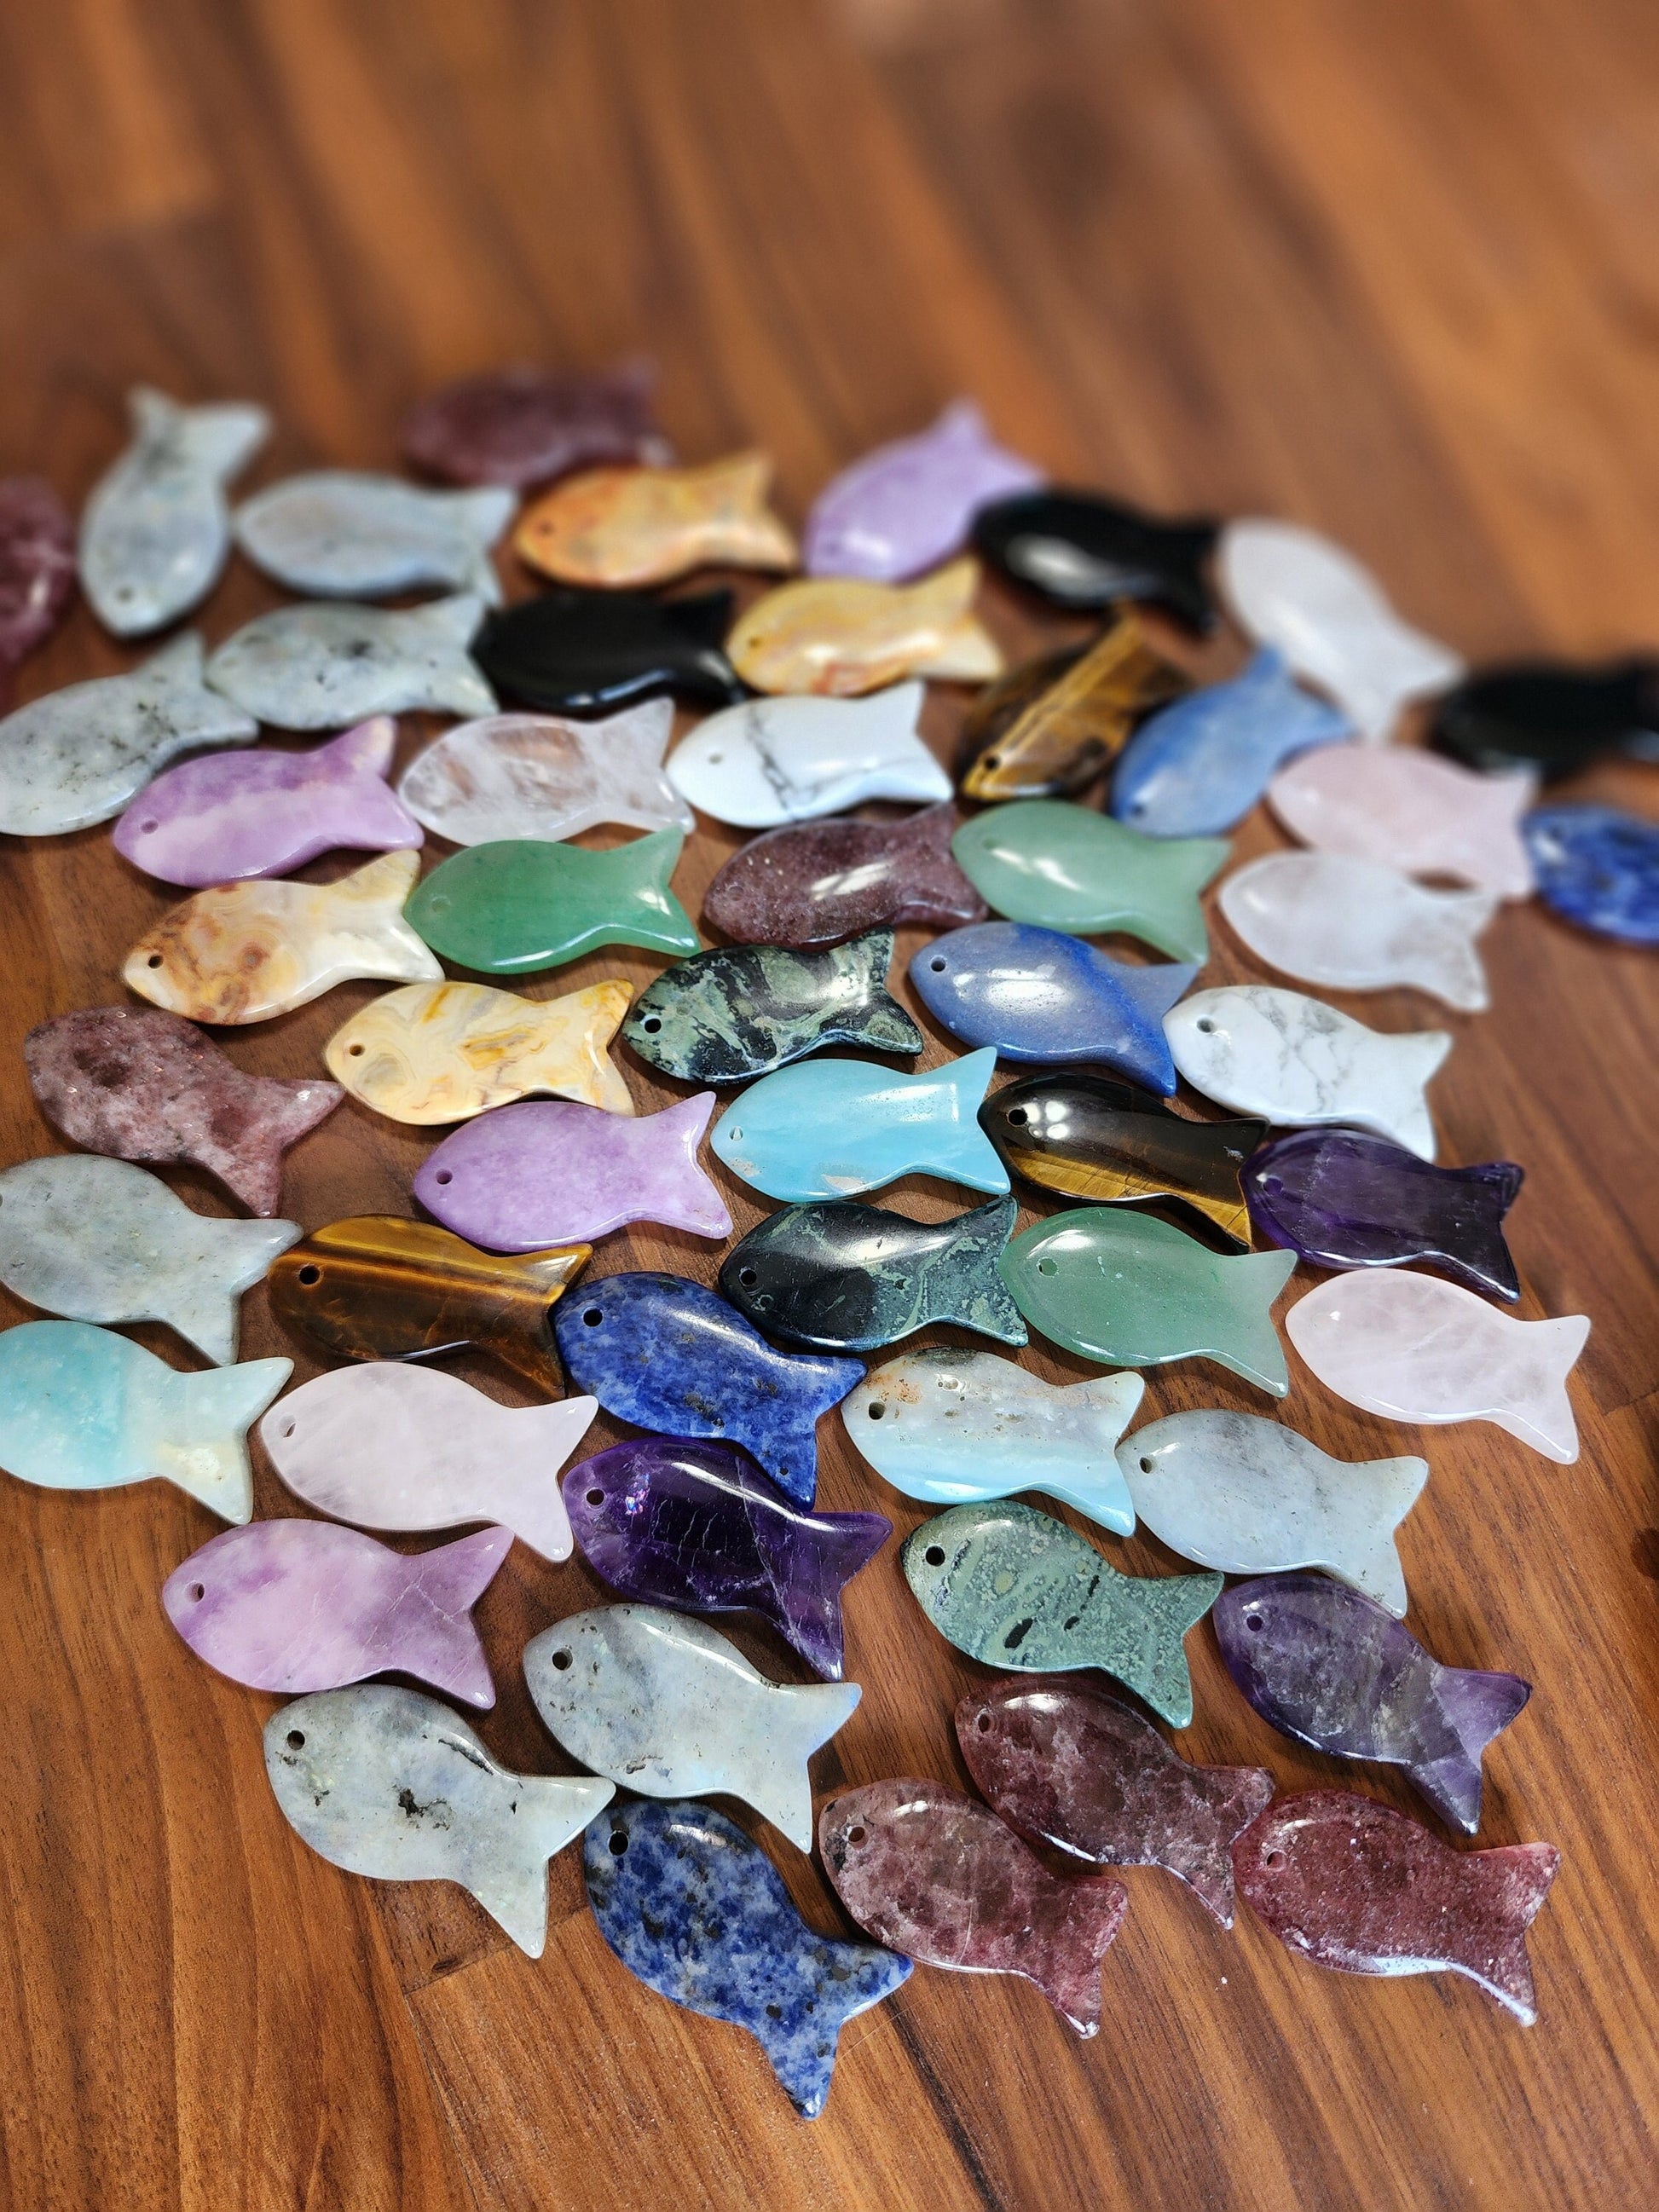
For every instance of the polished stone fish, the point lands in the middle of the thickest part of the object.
(243, 952)
(1410, 810)
(385, 1782)
(697, 1525)
(76, 756)
(1339, 1199)
(840, 636)
(629, 526)
(932, 1872)
(377, 1287)
(844, 1276)
(591, 652)
(96, 1240)
(1412, 1348)
(1331, 1668)
(543, 1173)
(1066, 867)
(741, 1011)
(154, 531)
(1084, 1136)
(138, 1084)
(37, 570)
(1083, 550)
(962, 1427)
(351, 534)
(523, 426)
(1014, 1588)
(671, 1356)
(698, 1913)
(305, 1605)
(1360, 925)
(320, 665)
(1598, 867)
(902, 506)
(1087, 1775)
(789, 760)
(1352, 1885)
(511, 907)
(442, 1052)
(667, 1706)
(820, 881)
(1048, 729)
(1301, 1064)
(537, 775)
(1251, 1496)
(1550, 716)
(82, 1408)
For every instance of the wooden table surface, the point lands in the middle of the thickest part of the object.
(1387, 268)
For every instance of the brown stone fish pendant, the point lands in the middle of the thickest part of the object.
(378, 1287)
(1052, 724)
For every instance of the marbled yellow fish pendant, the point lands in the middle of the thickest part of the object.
(631, 527)
(844, 636)
(1048, 729)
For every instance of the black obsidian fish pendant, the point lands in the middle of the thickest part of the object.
(589, 653)
(1550, 716)
(1086, 1137)
(1082, 551)
(841, 1276)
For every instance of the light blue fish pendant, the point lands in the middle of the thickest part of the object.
(828, 1128)
(322, 666)
(350, 534)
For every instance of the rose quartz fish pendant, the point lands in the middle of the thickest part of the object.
(1411, 809)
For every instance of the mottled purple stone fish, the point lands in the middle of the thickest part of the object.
(37, 570)
(904, 506)
(1327, 1665)
(524, 426)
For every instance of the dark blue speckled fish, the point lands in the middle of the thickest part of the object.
(1598, 868)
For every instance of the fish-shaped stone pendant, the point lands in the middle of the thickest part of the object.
(442, 1052)
(844, 1276)
(1066, 867)
(1014, 1588)
(82, 1408)
(1598, 868)
(1040, 996)
(631, 527)
(1197, 768)
(137, 1084)
(1352, 1884)
(772, 761)
(391, 1446)
(1360, 925)
(1084, 1136)
(590, 652)
(741, 1010)
(929, 1871)
(37, 570)
(1301, 1064)
(1339, 1199)
(1049, 728)
(669, 1355)
(840, 636)
(1253, 1498)
(818, 883)
(1083, 1773)
(1290, 587)
(154, 531)
(76, 757)
(1083, 550)
(1131, 1291)
(377, 1287)
(523, 426)
(320, 665)
(538, 775)
(307, 1605)
(954, 1428)
(385, 1782)
(698, 1913)
(519, 905)
(244, 952)
(903, 507)
(698, 1527)
(1330, 1667)
(667, 1705)
(1412, 1348)
(225, 816)
(96, 1240)
(543, 1173)
(1550, 716)
(351, 534)
(826, 1129)
(1413, 811)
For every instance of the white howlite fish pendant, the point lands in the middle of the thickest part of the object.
(350, 534)
(321, 667)
(155, 531)
(791, 759)
(669, 1707)
(1360, 925)
(541, 776)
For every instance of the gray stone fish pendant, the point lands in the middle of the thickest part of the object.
(321, 667)
(350, 534)
(155, 532)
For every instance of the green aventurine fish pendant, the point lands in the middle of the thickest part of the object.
(1061, 866)
(521, 904)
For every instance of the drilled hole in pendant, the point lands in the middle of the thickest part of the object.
(296, 1741)
(596, 1497)
(651, 1024)
(310, 1275)
(934, 1555)
(857, 1835)
(618, 1842)
(444, 1175)
(562, 1661)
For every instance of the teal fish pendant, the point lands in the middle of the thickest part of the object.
(509, 907)
(1061, 866)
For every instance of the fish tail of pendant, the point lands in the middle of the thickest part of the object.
(778, 1785)
(1252, 1349)
(1542, 1415)
(574, 1058)
(805, 2064)
(206, 1451)
(443, 1587)
(221, 438)
(1170, 1608)
(1375, 1566)
(1483, 1250)
(740, 487)
(1478, 1706)
(548, 1811)
(1075, 1924)
(1233, 1796)
(983, 1303)
(1511, 1885)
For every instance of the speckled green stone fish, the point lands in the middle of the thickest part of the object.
(506, 909)
(1066, 867)
(1131, 1291)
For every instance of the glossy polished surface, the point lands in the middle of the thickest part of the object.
(1360, 925)
(1066, 867)
(1598, 868)
(772, 761)
(900, 507)
(317, 666)
(537, 775)
(1083, 550)
(37, 570)
(511, 907)
(590, 652)
(815, 885)
(352, 534)
(1413, 811)
(1048, 729)
(1550, 716)
(842, 637)
(629, 526)
(522, 425)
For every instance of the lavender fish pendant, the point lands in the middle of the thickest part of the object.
(905, 506)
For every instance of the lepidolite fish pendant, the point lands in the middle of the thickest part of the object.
(1411, 809)
(629, 527)
(522, 425)
(773, 761)
(349, 534)
(841, 636)
(1083, 550)
(590, 652)
(540, 775)
(1360, 925)
(37, 571)
(1066, 867)
(513, 908)
(897, 510)
(319, 666)
(820, 881)
(1048, 729)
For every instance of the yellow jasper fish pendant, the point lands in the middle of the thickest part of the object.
(1048, 729)
(625, 527)
(841, 636)
(443, 1052)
